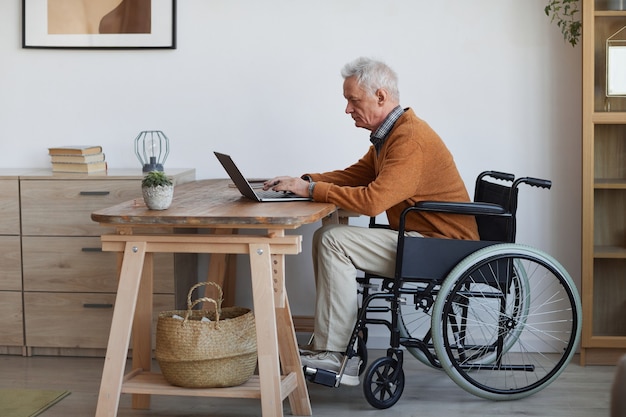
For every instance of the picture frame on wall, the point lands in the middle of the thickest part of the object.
(99, 24)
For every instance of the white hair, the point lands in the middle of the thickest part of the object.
(372, 75)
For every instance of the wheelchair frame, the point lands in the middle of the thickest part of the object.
(488, 309)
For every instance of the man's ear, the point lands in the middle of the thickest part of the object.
(381, 95)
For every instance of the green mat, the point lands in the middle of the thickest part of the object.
(28, 402)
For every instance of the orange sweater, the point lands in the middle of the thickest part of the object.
(413, 165)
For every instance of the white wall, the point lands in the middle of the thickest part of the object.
(260, 80)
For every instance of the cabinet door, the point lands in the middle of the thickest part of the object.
(10, 263)
(76, 320)
(609, 232)
(76, 264)
(64, 207)
(11, 326)
(9, 207)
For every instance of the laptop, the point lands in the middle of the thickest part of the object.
(246, 189)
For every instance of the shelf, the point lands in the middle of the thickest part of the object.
(609, 184)
(608, 118)
(610, 13)
(139, 382)
(609, 252)
(608, 341)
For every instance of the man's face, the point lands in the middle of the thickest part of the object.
(366, 109)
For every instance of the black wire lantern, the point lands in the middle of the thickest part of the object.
(152, 148)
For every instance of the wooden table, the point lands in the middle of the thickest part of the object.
(206, 204)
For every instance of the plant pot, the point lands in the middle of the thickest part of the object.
(159, 197)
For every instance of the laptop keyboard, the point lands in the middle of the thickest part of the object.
(273, 194)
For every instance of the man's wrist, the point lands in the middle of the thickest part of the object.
(311, 187)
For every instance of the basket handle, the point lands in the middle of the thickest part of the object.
(218, 303)
(200, 300)
(200, 284)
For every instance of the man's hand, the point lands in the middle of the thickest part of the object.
(293, 185)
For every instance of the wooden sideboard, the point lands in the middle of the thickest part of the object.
(11, 312)
(57, 287)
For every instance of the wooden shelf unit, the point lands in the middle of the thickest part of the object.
(603, 196)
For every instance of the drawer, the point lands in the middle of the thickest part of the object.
(9, 207)
(73, 320)
(77, 264)
(11, 327)
(10, 263)
(64, 207)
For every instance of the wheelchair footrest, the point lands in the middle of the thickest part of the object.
(321, 376)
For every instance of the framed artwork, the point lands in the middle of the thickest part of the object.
(99, 24)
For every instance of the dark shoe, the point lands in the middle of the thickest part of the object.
(331, 361)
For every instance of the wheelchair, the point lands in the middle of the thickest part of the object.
(501, 319)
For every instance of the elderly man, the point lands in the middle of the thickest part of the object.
(407, 162)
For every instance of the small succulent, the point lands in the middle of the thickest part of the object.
(156, 178)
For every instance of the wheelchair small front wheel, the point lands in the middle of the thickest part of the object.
(383, 383)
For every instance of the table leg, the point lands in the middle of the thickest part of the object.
(287, 342)
(142, 328)
(121, 325)
(290, 361)
(267, 336)
(222, 272)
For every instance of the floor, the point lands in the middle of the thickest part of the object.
(579, 391)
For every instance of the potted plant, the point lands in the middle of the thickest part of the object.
(157, 189)
(566, 14)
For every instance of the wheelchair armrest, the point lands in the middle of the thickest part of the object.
(469, 208)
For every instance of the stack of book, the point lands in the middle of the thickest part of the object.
(77, 158)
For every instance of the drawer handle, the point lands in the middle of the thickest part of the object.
(91, 249)
(96, 305)
(95, 192)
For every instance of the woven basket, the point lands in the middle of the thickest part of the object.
(198, 354)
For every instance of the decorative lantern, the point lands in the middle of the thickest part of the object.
(152, 148)
(616, 64)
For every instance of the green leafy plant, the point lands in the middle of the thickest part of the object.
(156, 178)
(566, 14)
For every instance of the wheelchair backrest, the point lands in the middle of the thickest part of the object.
(493, 228)
(420, 258)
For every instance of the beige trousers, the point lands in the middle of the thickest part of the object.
(339, 251)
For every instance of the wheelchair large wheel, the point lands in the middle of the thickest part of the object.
(416, 318)
(383, 383)
(506, 322)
